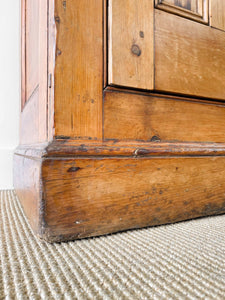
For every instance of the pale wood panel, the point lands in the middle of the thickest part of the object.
(192, 9)
(140, 117)
(29, 121)
(189, 57)
(131, 43)
(105, 81)
(34, 114)
(43, 74)
(79, 68)
(23, 53)
(27, 184)
(32, 46)
(51, 67)
(112, 194)
(217, 14)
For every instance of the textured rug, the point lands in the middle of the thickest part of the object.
(180, 261)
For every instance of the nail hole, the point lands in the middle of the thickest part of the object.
(73, 169)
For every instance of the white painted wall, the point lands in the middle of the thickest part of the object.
(9, 88)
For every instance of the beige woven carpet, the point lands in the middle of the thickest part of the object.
(181, 261)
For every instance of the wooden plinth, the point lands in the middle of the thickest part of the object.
(71, 191)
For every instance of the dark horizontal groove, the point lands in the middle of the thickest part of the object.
(161, 94)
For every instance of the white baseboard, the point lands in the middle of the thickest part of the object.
(6, 168)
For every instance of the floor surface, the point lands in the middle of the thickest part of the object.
(180, 261)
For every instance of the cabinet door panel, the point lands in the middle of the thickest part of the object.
(167, 48)
(217, 14)
(189, 57)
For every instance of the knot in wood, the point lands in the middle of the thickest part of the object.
(136, 50)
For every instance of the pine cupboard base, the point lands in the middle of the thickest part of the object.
(122, 115)
(75, 191)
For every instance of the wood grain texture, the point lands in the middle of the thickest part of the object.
(75, 148)
(185, 60)
(32, 46)
(104, 192)
(196, 10)
(105, 27)
(156, 159)
(43, 76)
(33, 127)
(51, 68)
(217, 14)
(79, 68)
(29, 121)
(71, 148)
(113, 194)
(27, 184)
(131, 43)
(130, 116)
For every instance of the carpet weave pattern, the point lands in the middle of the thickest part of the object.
(180, 261)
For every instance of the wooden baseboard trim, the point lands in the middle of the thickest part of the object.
(84, 194)
(69, 147)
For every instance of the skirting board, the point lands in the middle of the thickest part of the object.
(70, 191)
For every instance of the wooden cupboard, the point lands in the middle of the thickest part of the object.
(122, 114)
